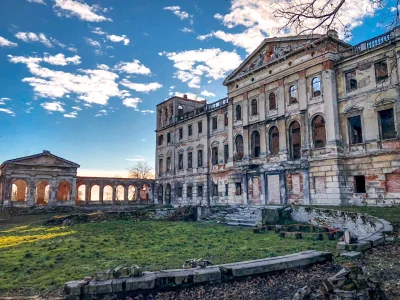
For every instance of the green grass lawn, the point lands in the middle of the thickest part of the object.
(42, 259)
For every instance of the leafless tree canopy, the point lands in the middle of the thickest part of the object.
(141, 170)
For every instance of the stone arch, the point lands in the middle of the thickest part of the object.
(19, 190)
(160, 194)
(132, 193)
(273, 140)
(292, 94)
(95, 193)
(316, 87)
(42, 192)
(255, 144)
(239, 150)
(63, 190)
(144, 192)
(107, 193)
(81, 193)
(168, 194)
(120, 193)
(318, 131)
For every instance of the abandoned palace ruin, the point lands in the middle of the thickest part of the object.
(309, 120)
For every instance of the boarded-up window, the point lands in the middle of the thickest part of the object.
(320, 184)
(255, 144)
(351, 81)
(274, 140)
(295, 140)
(387, 127)
(272, 101)
(393, 183)
(239, 147)
(296, 184)
(381, 71)
(319, 134)
(238, 112)
(355, 130)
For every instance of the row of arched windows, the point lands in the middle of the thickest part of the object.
(294, 135)
(272, 105)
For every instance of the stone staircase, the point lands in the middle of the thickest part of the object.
(238, 216)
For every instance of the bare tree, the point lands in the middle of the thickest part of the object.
(141, 170)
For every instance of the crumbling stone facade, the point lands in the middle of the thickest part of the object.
(308, 120)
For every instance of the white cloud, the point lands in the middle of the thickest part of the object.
(52, 106)
(136, 158)
(101, 113)
(207, 94)
(72, 116)
(171, 87)
(59, 59)
(134, 67)
(131, 102)
(33, 37)
(103, 67)
(187, 30)
(147, 111)
(92, 43)
(204, 37)
(6, 43)
(37, 1)
(76, 108)
(116, 39)
(177, 12)
(192, 65)
(7, 111)
(189, 96)
(2, 100)
(83, 11)
(98, 31)
(141, 87)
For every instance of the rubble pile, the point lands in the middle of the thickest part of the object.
(350, 283)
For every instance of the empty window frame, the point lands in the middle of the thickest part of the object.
(215, 190)
(180, 161)
(200, 191)
(386, 124)
(359, 184)
(272, 101)
(168, 164)
(165, 114)
(226, 189)
(255, 144)
(238, 112)
(214, 158)
(351, 80)
(214, 123)
(238, 188)
(292, 94)
(180, 191)
(180, 133)
(295, 140)
(200, 126)
(226, 153)
(160, 165)
(274, 140)
(189, 130)
(254, 108)
(190, 156)
(319, 132)
(316, 87)
(180, 111)
(160, 140)
(355, 130)
(199, 158)
(168, 137)
(381, 71)
(189, 192)
(239, 147)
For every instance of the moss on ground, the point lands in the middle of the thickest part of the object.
(35, 258)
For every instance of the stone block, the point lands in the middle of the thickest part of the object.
(90, 288)
(207, 275)
(104, 287)
(375, 239)
(360, 246)
(118, 285)
(103, 275)
(145, 282)
(351, 255)
(74, 288)
(120, 272)
(270, 216)
(135, 271)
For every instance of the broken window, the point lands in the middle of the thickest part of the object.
(215, 190)
(215, 155)
(292, 94)
(355, 130)
(180, 190)
(200, 191)
(226, 153)
(239, 147)
(160, 165)
(165, 114)
(295, 140)
(189, 160)
(226, 120)
(180, 133)
(254, 110)
(274, 140)
(189, 130)
(168, 137)
(381, 71)
(168, 164)
(238, 112)
(359, 184)
(255, 144)
(272, 101)
(387, 127)
(189, 192)
(319, 134)
(316, 87)
(199, 158)
(180, 161)
(160, 140)
(351, 81)
(214, 123)
(226, 189)
(180, 111)
(238, 188)
(200, 126)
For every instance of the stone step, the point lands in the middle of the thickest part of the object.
(241, 224)
(242, 221)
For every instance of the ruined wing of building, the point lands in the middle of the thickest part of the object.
(307, 120)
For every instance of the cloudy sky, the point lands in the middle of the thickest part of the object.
(83, 78)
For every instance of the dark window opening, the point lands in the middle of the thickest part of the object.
(381, 71)
(214, 123)
(200, 126)
(180, 133)
(180, 190)
(226, 120)
(355, 129)
(200, 191)
(292, 94)
(239, 147)
(387, 127)
(215, 190)
(189, 130)
(180, 111)
(159, 117)
(254, 107)
(272, 101)
(215, 156)
(319, 133)
(274, 140)
(255, 144)
(226, 189)
(226, 153)
(295, 140)
(316, 87)
(359, 184)
(168, 137)
(238, 188)
(160, 165)
(160, 140)
(165, 114)
(180, 161)
(351, 81)
(189, 160)
(189, 192)
(168, 164)
(238, 112)
(200, 158)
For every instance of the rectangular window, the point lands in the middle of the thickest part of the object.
(199, 158)
(180, 192)
(190, 130)
(180, 161)
(359, 184)
(226, 153)
(200, 126)
(189, 192)
(168, 137)
(226, 120)
(215, 156)
(238, 188)
(200, 191)
(381, 71)
(189, 160)
(214, 123)
(160, 165)
(355, 130)
(351, 81)
(386, 122)
(180, 133)
(226, 189)
(215, 190)
(168, 164)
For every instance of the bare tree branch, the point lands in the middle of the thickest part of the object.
(141, 170)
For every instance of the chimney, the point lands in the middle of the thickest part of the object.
(185, 96)
(46, 152)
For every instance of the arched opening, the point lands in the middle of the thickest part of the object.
(144, 192)
(107, 193)
(254, 110)
(292, 94)
(63, 190)
(132, 193)
(160, 194)
(168, 194)
(274, 140)
(239, 147)
(120, 193)
(238, 114)
(19, 190)
(319, 133)
(81, 195)
(42, 192)
(255, 144)
(316, 86)
(95, 193)
(295, 140)
(180, 111)
(272, 101)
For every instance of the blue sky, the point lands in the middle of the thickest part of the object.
(83, 78)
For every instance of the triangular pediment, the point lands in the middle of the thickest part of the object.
(353, 110)
(43, 159)
(384, 101)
